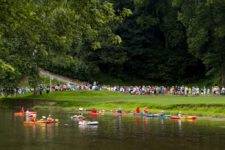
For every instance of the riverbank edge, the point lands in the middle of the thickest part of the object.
(203, 110)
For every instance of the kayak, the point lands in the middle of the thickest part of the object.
(184, 118)
(94, 114)
(20, 114)
(120, 114)
(143, 115)
(88, 122)
(77, 117)
(40, 122)
(139, 114)
(158, 115)
(34, 122)
(152, 115)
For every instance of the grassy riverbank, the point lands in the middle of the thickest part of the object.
(192, 105)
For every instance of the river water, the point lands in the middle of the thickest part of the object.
(112, 133)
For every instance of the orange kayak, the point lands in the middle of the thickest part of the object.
(184, 118)
(35, 122)
(21, 114)
(94, 114)
(39, 122)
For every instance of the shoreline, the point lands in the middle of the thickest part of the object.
(209, 106)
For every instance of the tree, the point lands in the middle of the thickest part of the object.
(8, 76)
(57, 35)
(155, 43)
(83, 39)
(204, 23)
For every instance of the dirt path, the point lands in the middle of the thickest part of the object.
(51, 75)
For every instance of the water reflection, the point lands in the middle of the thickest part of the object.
(145, 120)
(138, 120)
(118, 129)
(161, 121)
(113, 132)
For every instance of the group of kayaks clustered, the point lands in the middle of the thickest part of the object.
(138, 112)
(146, 113)
(31, 117)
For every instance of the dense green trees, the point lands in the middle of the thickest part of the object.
(8, 77)
(82, 35)
(205, 26)
(155, 43)
(56, 35)
(169, 42)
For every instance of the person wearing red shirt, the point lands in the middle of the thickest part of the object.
(138, 110)
(146, 111)
(94, 110)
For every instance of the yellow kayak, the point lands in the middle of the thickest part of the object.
(41, 122)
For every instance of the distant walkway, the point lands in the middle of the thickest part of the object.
(57, 77)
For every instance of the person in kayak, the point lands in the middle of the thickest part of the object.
(80, 116)
(138, 110)
(33, 117)
(81, 109)
(50, 119)
(146, 111)
(179, 114)
(94, 110)
(119, 111)
(43, 118)
(22, 110)
(162, 113)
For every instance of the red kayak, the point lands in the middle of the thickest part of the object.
(184, 117)
(94, 113)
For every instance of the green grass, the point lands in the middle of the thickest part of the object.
(192, 105)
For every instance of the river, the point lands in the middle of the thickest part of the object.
(112, 133)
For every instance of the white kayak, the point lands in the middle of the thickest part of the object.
(88, 122)
(77, 117)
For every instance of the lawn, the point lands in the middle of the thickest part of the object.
(196, 105)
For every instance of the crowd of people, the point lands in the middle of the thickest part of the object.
(173, 90)
(134, 90)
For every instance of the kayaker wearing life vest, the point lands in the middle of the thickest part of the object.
(179, 114)
(27, 116)
(146, 111)
(138, 110)
(80, 116)
(22, 110)
(119, 111)
(162, 113)
(94, 110)
(50, 119)
(33, 117)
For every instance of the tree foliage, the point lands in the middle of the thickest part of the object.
(57, 35)
(172, 42)
(204, 22)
